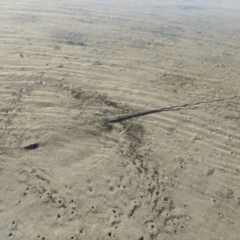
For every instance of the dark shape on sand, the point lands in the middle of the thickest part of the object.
(173, 108)
(32, 146)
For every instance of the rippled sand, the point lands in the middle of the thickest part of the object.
(67, 67)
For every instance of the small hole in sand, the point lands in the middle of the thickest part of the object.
(32, 146)
(10, 234)
(81, 231)
(13, 222)
(166, 199)
(58, 215)
(109, 234)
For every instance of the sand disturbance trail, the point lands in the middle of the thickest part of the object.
(119, 120)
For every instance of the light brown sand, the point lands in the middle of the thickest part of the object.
(172, 175)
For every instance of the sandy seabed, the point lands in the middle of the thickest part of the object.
(67, 67)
